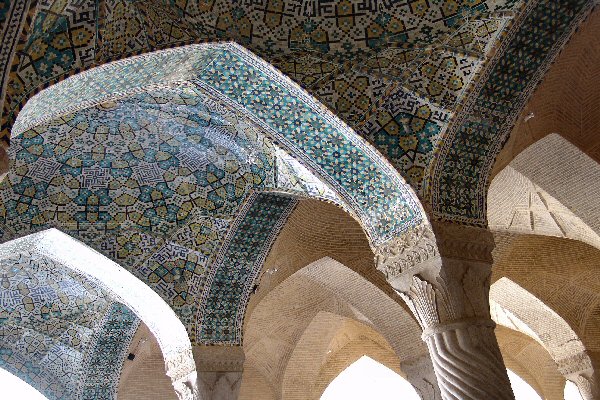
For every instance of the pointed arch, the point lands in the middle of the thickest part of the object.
(514, 307)
(65, 251)
(358, 174)
(273, 328)
(549, 189)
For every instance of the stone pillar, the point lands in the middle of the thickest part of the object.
(443, 275)
(580, 370)
(421, 375)
(220, 371)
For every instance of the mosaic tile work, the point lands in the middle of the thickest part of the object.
(152, 181)
(50, 324)
(459, 182)
(106, 358)
(352, 55)
(221, 311)
(12, 18)
(251, 87)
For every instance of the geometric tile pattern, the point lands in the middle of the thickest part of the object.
(106, 357)
(51, 321)
(352, 55)
(331, 150)
(152, 181)
(237, 264)
(459, 182)
(249, 87)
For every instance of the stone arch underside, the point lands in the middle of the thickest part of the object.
(329, 344)
(517, 309)
(184, 152)
(557, 278)
(59, 249)
(518, 205)
(550, 188)
(531, 361)
(277, 322)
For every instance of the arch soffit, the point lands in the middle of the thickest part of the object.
(531, 361)
(369, 185)
(57, 324)
(515, 308)
(363, 51)
(565, 179)
(459, 176)
(334, 288)
(161, 176)
(326, 339)
(517, 205)
(331, 278)
(134, 294)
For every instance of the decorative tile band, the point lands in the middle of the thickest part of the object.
(223, 304)
(104, 361)
(459, 180)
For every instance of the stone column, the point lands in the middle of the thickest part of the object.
(580, 370)
(443, 275)
(220, 371)
(420, 374)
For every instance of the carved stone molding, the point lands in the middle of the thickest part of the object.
(425, 247)
(180, 367)
(404, 252)
(574, 364)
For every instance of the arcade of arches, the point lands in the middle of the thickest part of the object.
(215, 199)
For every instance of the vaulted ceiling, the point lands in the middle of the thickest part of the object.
(182, 165)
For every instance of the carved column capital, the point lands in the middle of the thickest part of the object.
(449, 303)
(429, 249)
(579, 369)
(406, 252)
(442, 272)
